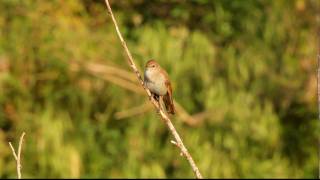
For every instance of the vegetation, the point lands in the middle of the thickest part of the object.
(245, 70)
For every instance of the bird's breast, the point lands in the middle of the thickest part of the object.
(155, 82)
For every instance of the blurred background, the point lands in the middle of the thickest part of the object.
(243, 76)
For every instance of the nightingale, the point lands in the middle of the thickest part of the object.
(157, 81)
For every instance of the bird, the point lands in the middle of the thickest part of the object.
(156, 79)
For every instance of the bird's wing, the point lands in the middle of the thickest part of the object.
(168, 99)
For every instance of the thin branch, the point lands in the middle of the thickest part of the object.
(13, 152)
(18, 157)
(161, 112)
(176, 144)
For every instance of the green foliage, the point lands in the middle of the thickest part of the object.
(248, 65)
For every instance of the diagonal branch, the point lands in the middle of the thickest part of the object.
(163, 115)
(13, 152)
(18, 157)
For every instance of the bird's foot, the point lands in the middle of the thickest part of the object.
(156, 97)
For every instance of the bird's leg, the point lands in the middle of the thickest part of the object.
(157, 98)
(154, 96)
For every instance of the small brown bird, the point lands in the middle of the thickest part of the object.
(157, 81)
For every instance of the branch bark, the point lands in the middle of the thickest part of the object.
(178, 140)
(17, 157)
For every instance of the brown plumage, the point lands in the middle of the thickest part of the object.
(168, 100)
(157, 81)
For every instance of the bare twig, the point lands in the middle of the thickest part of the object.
(161, 112)
(18, 157)
(176, 144)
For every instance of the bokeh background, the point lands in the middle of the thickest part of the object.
(243, 75)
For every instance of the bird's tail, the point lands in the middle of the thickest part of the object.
(168, 102)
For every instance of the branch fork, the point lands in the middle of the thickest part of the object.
(16, 156)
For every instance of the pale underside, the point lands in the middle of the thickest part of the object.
(155, 82)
